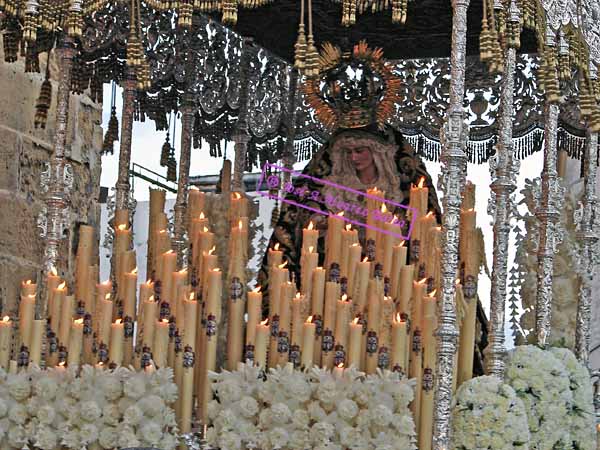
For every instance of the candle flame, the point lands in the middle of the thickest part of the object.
(149, 282)
(383, 208)
(366, 259)
(429, 214)
(348, 227)
(356, 244)
(118, 321)
(398, 318)
(281, 266)
(276, 247)
(421, 182)
(356, 321)
(107, 296)
(5, 319)
(265, 322)
(298, 295)
(311, 225)
(183, 271)
(202, 215)
(237, 195)
(205, 229)
(340, 366)
(216, 269)
(240, 225)
(256, 290)
(340, 214)
(53, 271)
(401, 244)
(151, 298)
(311, 249)
(62, 285)
(165, 320)
(194, 188)
(212, 250)
(192, 296)
(168, 252)
(432, 293)
(78, 321)
(122, 227)
(162, 231)
(134, 271)
(310, 319)
(62, 364)
(423, 281)
(470, 209)
(345, 297)
(457, 281)
(28, 282)
(106, 283)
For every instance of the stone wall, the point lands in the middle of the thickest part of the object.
(24, 150)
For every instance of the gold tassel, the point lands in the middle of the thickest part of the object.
(300, 49)
(43, 103)
(75, 19)
(165, 152)
(172, 167)
(185, 11)
(112, 133)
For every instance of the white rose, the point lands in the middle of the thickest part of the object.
(265, 418)
(133, 388)
(280, 413)
(213, 409)
(279, 437)
(229, 392)
(299, 389)
(169, 442)
(90, 411)
(127, 437)
(229, 441)
(88, 433)
(383, 415)
(46, 414)
(111, 387)
(226, 420)
(19, 387)
(316, 412)
(75, 387)
(3, 408)
(151, 433)
(17, 436)
(45, 438)
(111, 414)
(327, 392)
(108, 438)
(152, 405)
(248, 407)
(349, 435)
(321, 432)
(300, 418)
(347, 409)
(266, 391)
(133, 415)
(18, 414)
(300, 440)
(125, 403)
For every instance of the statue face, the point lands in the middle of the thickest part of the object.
(359, 155)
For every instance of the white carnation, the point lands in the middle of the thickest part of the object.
(327, 392)
(45, 387)
(248, 407)
(229, 441)
(90, 411)
(347, 409)
(111, 414)
(213, 409)
(229, 391)
(322, 431)
(17, 436)
(278, 437)
(19, 387)
(133, 388)
(316, 412)
(300, 419)
(46, 414)
(151, 405)
(18, 414)
(88, 433)
(151, 433)
(280, 413)
(300, 440)
(45, 438)
(108, 438)
(133, 415)
(3, 408)
(127, 437)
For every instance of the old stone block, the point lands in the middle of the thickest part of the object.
(18, 222)
(11, 145)
(12, 272)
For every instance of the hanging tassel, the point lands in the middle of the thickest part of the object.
(165, 152)
(172, 167)
(44, 100)
(112, 133)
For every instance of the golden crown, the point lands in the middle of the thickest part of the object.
(352, 90)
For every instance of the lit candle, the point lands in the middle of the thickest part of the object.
(52, 282)
(338, 371)
(467, 336)
(29, 288)
(58, 298)
(329, 316)
(418, 203)
(332, 294)
(297, 319)
(178, 278)
(416, 318)
(189, 343)
(426, 386)
(405, 287)
(361, 285)
(205, 240)
(75, 343)
(353, 260)
(388, 308)
(213, 297)
(308, 339)
(260, 346)
(35, 351)
(168, 265)
(398, 262)
(102, 289)
(255, 299)
(349, 238)
(373, 325)
(308, 263)
(238, 207)
(342, 322)
(310, 237)
(162, 244)
(161, 343)
(279, 276)
(196, 201)
(5, 341)
(106, 309)
(285, 317)
(275, 256)
(121, 244)
(129, 289)
(150, 313)
(355, 344)
(333, 245)
(390, 240)
(26, 315)
(399, 344)
(209, 262)
(115, 354)
(374, 203)
(66, 315)
(235, 328)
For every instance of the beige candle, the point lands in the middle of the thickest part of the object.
(150, 313)
(255, 299)
(310, 237)
(128, 263)
(297, 319)
(333, 244)
(342, 322)
(329, 316)
(373, 326)
(308, 338)
(189, 343)
(467, 337)
(405, 287)
(260, 346)
(129, 290)
(426, 382)
(75, 343)
(157, 206)
(285, 317)
(196, 202)
(205, 240)
(26, 315)
(102, 289)
(279, 276)
(213, 298)
(178, 279)
(66, 316)
(398, 261)
(308, 263)
(105, 322)
(210, 355)
(90, 295)
(399, 344)
(235, 331)
(5, 341)
(52, 282)
(355, 344)
(355, 252)
(561, 165)
(161, 343)
(275, 256)
(56, 302)
(361, 285)
(146, 291)
(380, 222)
(419, 202)
(416, 318)
(162, 244)
(209, 262)
(29, 288)
(121, 244)
(349, 238)
(168, 266)
(388, 309)
(35, 351)
(115, 352)
(238, 207)
(332, 294)
(374, 203)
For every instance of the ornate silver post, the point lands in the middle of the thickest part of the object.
(122, 186)
(548, 217)
(288, 157)
(57, 180)
(242, 136)
(587, 237)
(187, 129)
(503, 185)
(454, 138)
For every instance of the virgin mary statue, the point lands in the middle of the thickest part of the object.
(353, 96)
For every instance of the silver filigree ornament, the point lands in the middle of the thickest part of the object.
(42, 222)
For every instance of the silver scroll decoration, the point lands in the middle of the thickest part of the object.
(241, 136)
(503, 185)
(549, 233)
(454, 159)
(59, 176)
(587, 224)
(185, 154)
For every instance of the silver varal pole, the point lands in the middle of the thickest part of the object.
(503, 185)
(454, 139)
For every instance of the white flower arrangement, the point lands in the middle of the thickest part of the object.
(542, 382)
(581, 414)
(294, 410)
(488, 415)
(94, 408)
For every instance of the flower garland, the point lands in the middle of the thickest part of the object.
(294, 410)
(542, 382)
(100, 408)
(487, 414)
